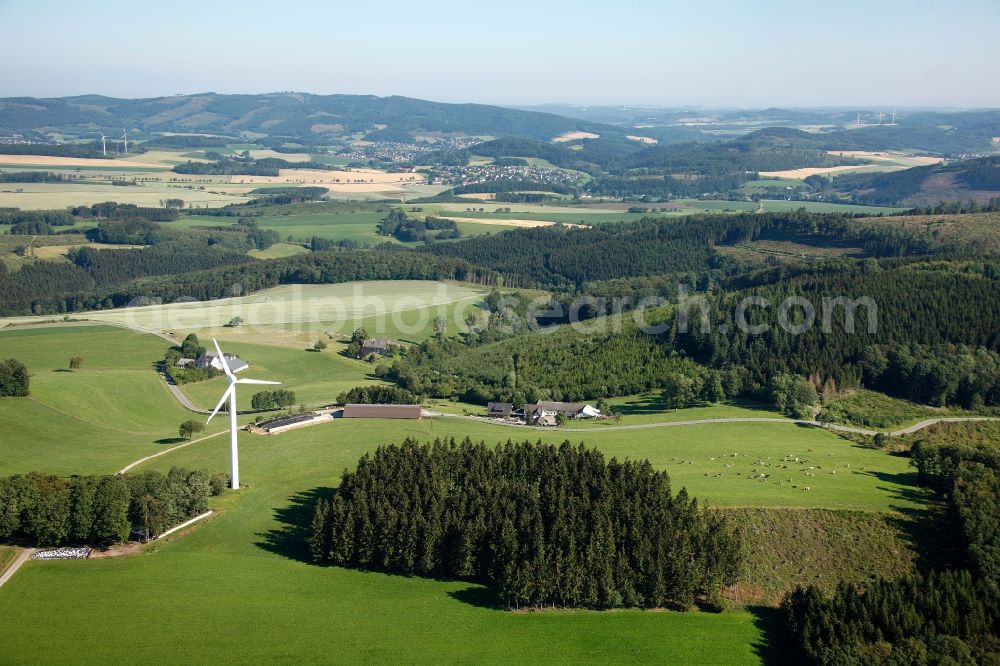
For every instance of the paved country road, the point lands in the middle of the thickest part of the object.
(181, 398)
(735, 419)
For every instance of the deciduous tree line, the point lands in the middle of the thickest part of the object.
(49, 510)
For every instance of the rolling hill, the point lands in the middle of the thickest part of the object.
(977, 179)
(300, 115)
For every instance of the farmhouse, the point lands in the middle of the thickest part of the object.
(545, 413)
(379, 346)
(211, 360)
(383, 412)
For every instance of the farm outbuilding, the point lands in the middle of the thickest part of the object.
(499, 410)
(283, 423)
(383, 412)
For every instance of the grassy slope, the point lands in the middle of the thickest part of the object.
(232, 575)
(296, 315)
(979, 229)
(238, 576)
(114, 410)
(240, 572)
(877, 410)
(784, 548)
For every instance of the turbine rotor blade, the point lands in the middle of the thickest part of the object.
(222, 401)
(254, 381)
(222, 359)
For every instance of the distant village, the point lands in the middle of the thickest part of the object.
(483, 173)
(404, 153)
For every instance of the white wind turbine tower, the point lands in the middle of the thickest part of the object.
(125, 138)
(104, 144)
(230, 394)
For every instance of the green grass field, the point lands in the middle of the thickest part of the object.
(771, 206)
(42, 196)
(359, 226)
(356, 226)
(98, 419)
(243, 569)
(236, 588)
(296, 315)
(650, 408)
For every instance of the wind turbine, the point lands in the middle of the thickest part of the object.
(230, 394)
(125, 139)
(104, 144)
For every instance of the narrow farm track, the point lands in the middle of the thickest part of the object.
(138, 462)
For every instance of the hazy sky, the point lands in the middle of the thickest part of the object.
(753, 53)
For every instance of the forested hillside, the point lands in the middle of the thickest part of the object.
(558, 256)
(920, 312)
(561, 364)
(977, 179)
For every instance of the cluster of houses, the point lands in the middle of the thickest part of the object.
(542, 413)
(211, 360)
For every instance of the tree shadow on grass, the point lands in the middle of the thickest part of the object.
(776, 645)
(170, 440)
(291, 539)
(478, 596)
(904, 486)
(930, 533)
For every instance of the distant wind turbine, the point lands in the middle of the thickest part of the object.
(125, 138)
(104, 144)
(230, 395)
